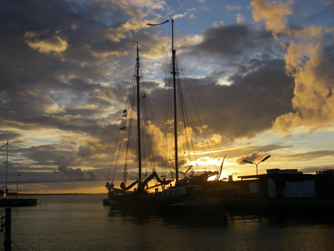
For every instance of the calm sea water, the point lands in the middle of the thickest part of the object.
(81, 222)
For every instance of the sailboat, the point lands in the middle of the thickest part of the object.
(193, 191)
(123, 198)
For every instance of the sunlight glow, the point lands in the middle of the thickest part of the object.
(206, 161)
(224, 81)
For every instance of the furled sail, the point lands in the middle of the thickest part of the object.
(152, 176)
(128, 187)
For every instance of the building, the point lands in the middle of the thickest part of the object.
(325, 184)
(278, 183)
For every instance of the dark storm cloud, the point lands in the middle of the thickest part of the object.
(226, 40)
(232, 40)
(249, 105)
(8, 135)
(259, 90)
(253, 157)
(62, 174)
(40, 88)
(77, 174)
(48, 155)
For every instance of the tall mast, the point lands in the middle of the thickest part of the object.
(175, 110)
(174, 87)
(138, 116)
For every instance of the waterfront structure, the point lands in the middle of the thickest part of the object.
(325, 184)
(277, 183)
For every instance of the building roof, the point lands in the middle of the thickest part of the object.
(279, 174)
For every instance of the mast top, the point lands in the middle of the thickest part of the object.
(149, 24)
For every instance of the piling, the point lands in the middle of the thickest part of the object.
(8, 226)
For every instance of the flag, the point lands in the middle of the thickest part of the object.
(144, 96)
(158, 24)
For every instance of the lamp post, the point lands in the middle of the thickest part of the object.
(17, 186)
(6, 189)
(256, 164)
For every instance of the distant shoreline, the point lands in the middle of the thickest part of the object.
(14, 194)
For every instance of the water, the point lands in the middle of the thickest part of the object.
(81, 222)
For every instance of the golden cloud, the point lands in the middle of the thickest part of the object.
(274, 14)
(307, 64)
(50, 44)
(151, 4)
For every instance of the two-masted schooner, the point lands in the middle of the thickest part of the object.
(193, 191)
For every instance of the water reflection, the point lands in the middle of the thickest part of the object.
(192, 220)
(83, 223)
(225, 219)
(282, 220)
(224, 231)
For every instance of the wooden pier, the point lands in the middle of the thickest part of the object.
(18, 202)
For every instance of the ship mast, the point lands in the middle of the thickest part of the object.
(138, 117)
(175, 110)
(175, 107)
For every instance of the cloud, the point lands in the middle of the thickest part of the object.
(306, 156)
(70, 174)
(252, 157)
(123, 32)
(191, 18)
(66, 113)
(313, 79)
(218, 24)
(233, 7)
(309, 65)
(237, 104)
(137, 11)
(228, 40)
(274, 14)
(53, 43)
(8, 135)
(240, 19)
(151, 4)
(313, 169)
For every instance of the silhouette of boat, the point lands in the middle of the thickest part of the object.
(194, 191)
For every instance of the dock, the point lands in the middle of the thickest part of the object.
(18, 202)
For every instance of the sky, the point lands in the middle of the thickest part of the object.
(261, 73)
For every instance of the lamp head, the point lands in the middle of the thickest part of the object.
(265, 158)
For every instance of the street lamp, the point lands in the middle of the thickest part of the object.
(6, 189)
(17, 186)
(256, 164)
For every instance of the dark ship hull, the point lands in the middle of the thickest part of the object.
(204, 197)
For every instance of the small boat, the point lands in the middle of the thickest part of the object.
(195, 191)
